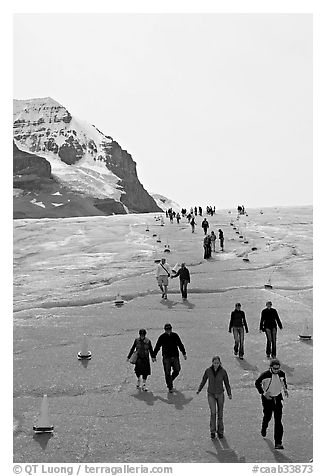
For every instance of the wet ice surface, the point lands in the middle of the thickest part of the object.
(63, 266)
(73, 261)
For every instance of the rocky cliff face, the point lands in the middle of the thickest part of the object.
(77, 156)
(25, 164)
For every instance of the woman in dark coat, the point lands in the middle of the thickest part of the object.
(143, 346)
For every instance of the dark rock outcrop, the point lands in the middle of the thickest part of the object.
(25, 163)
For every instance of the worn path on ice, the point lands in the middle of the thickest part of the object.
(98, 414)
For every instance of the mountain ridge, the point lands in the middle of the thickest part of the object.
(82, 159)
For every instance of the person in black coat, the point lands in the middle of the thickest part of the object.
(268, 323)
(184, 277)
(170, 343)
(207, 247)
(237, 324)
(205, 225)
(221, 238)
(270, 385)
(143, 346)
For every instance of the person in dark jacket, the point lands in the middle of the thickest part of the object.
(221, 238)
(143, 346)
(270, 385)
(170, 343)
(207, 247)
(205, 225)
(268, 323)
(237, 324)
(213, 239)
(216, 376)
(192, 223)
(184, 277)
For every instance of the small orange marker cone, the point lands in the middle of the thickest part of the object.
(84, 354)
(119, 301)
(269, 284)
(175, 268)
(246, 257)
(43, 422)
(306, 332)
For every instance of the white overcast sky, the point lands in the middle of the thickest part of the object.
(214, 108)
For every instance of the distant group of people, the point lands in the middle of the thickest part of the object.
(270, 384)
(210, 210)
(209, 243)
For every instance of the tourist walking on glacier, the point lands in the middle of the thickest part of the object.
(178, 217)
(170, 343)
(268, 323)
(205, 225)
(184, 277)
(238, 325)
(143, 347)
(216, 376)
(213, 239)
(221, 238)
(207, 247)
(270, 385)
(192, 223)
(163, 272)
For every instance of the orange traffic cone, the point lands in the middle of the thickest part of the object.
(119, 301)
(306, 331)
(84, 354)
(43, 423)
(246, 257)
(269, 284)
(175, 268)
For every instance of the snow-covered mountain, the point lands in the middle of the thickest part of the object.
(82, 159)
(165, 203)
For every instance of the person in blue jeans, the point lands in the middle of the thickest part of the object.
(216, 376)
(268, 323)
(238, 324)
(170, 343)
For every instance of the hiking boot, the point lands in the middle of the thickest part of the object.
(212, 435)
(263, 432)
(279, 446)
(171, 390)
(241, 358)
(220, 435)
(144, 388)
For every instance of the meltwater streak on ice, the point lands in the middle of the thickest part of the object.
(63, 260)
